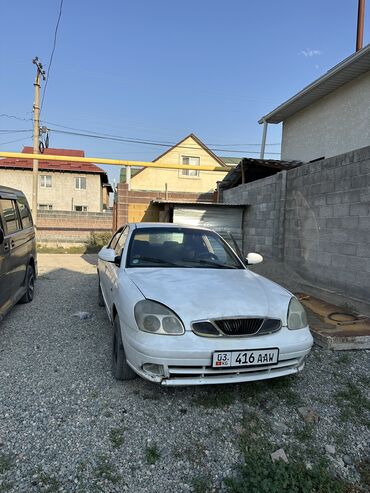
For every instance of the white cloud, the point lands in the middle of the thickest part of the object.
(310, 53)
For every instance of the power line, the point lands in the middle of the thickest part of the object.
(4, 131)
(142, 142)
(169, 143)
(52, 53)
(5, 115)
(16, 140)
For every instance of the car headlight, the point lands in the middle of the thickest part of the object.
(157, 319)
(297, 318)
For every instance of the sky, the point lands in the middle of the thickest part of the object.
(160, 69)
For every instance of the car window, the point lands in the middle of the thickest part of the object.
(10, 216)
(24, 212)
(121, 242)
(180, 247)
(113, 241)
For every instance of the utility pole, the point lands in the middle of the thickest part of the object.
(360, 24)
(40, 72)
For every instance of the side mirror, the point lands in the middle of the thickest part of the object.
(254, 258)
(107, 254)
(1, 236)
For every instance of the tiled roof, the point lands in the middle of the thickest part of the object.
(53, 165)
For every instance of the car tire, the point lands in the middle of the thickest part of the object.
(120, 368)
(100, 296)
(30, 286)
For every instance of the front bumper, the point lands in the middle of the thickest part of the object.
(187, 359)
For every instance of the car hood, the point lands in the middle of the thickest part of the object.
(198, 294)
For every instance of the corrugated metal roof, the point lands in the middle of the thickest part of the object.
(252, 167)
(355, 65)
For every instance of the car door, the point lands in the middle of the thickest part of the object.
(102, 265)
(5, 297)
(14, 245)
(112, 270)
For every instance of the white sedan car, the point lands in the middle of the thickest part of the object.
(186, 310)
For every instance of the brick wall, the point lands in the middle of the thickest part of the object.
(71, 227)
(316, 218)
(135, 205)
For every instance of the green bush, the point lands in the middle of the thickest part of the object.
(98, 240)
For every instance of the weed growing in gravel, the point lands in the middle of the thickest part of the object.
(215, 397)
(116, 437)
(193, 453)
(152, 454)
(258, 474)
(6, 463)
(105, 470)
(49, 484)
(201, 484)
(343, 359)
(354, 405)
(305, 433)
(364, 470)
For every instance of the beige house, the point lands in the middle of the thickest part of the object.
(63, 185)
(189, 151)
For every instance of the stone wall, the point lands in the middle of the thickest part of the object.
(71, 227)
(316, 218)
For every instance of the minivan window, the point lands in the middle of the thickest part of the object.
(24, 212)
(10, 216)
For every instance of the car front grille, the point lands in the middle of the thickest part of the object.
(236, 327)
(239, 326)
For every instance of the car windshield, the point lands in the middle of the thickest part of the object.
(180, 247)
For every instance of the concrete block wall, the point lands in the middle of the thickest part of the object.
(327, 222)
(70, 226)
(261, 232)
(316, 218)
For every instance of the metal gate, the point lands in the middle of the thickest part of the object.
(221, 218)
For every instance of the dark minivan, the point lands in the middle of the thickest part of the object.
(18, 261)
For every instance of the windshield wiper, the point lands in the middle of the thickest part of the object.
(209, 262)
(156, 261)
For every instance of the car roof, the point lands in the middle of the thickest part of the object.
(166, 225)
(10, 191)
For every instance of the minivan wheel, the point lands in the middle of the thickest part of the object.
(100, 295)
(120, 369)
(30, 286)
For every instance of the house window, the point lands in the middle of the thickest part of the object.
(45, 181)
(80, 208)
(81, 183)
(45, 207)
(192, 161)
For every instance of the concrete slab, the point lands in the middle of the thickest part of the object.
(334, 327)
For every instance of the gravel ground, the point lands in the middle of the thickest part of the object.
(67, 425)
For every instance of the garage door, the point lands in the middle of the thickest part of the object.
(220, 218)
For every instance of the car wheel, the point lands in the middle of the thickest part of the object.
(30, 286)
(100, 295)
(120, 369)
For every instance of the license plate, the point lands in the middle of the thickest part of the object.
(253, 357)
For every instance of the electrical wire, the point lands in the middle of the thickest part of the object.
(3, 132)
(17, 140)
(142, 142)
(5, 115)
(52, 53)
(169, 143)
